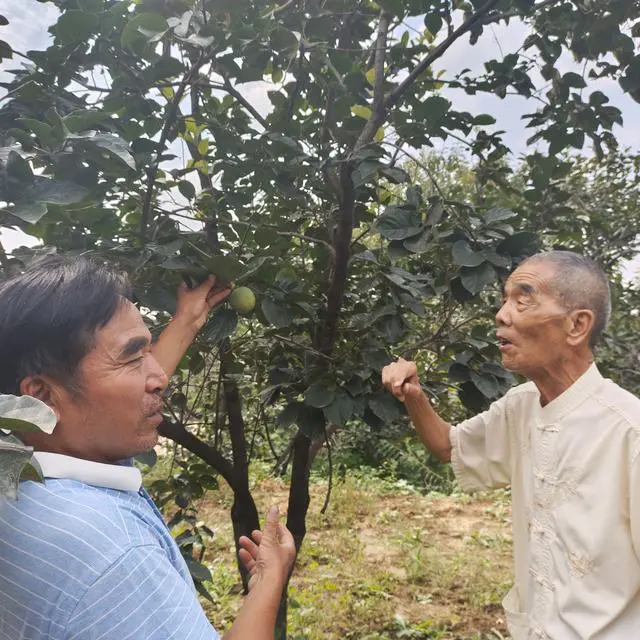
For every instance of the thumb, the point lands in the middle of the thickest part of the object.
(270, 531)
(411, 390)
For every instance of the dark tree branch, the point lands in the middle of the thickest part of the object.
(4, 260)
(379, 115)
(169, 122)
(381, 47)
(232, 91)
(178, 433)
(330, 485)
(299, 492)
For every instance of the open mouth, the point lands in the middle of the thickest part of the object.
(503, 342)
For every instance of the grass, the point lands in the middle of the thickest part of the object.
(383, 563)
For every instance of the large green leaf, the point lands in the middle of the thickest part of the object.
(341, 409)
(319, 395)
(277, 314)
(143, 26)
(385, 407)
(397, 223)
(465, 256)
(475, 279)
(61, 192)
(75, 26)
(222, 324)
(114, 145)
(25, 413)
(30, 212)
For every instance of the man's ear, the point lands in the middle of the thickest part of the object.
(580, 326)
(44, 389)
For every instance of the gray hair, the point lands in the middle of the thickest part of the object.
(580, 283)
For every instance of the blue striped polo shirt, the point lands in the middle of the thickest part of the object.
(87, 556)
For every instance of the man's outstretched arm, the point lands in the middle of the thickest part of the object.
(192, 310)
(401, 379)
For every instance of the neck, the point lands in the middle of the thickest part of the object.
(555, 380)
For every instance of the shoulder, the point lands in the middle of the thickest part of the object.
(622, 409)
(94, 525)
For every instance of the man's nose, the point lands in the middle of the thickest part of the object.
(157, 380)
(503, 316)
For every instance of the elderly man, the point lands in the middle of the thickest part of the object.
(568, 444)
(87, 555)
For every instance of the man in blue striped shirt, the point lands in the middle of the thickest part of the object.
(87, 556)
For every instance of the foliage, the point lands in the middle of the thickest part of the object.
(136, 136)
(20, 414)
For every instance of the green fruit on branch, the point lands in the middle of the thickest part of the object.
(243, 300)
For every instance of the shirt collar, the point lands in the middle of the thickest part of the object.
(583, 387)
(96, 474)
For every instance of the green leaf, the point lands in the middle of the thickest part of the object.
(113, 145)
(311, 421)
(435, 213)
(397, 223)
(361, 111)
(85, 119)
(340, 410)
(459, 372)
(198, 571)
(277, 314)
(420, 243)
(42, 130)
(486, 384)
(518, 244)
(13, 457)
(385, 407)
(18, 168)
(75, 26)
(6, 52)
(476, 279)
(30, 212)
(222, 324)
(395, 175)
(148, 458)
(32, 471)
(498, 214)
(484, 119)
(318, 395)
(187, 189)
(59, 192)
(465, 256)
(143, 26)
(572, 79)
(433, 21)
(394, 7)
(25, 413)
(3, 21)
(289, 415)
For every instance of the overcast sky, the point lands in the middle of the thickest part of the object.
(29, 21)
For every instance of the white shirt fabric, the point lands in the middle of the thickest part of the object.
(574, 471)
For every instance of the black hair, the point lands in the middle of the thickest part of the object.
(49, 315)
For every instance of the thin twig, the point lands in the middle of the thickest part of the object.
(168, 124)
(330, 460)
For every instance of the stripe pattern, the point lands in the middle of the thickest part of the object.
(85, 563)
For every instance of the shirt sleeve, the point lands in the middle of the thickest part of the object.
(634, 503)
(481, 449)
(141, 595)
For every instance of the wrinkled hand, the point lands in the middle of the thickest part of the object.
(401, 378)
(194, 305)
(272, 552)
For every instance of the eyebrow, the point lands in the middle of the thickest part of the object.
(523, 287)
(133, 346)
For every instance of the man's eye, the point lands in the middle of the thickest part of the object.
(137, 360)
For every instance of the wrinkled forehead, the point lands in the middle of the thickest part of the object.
(532, 277)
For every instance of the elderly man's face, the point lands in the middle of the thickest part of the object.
(531, 323)
(117, 412)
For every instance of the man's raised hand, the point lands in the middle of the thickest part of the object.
(401, 378)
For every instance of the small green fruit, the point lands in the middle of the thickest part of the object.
(242, 299)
